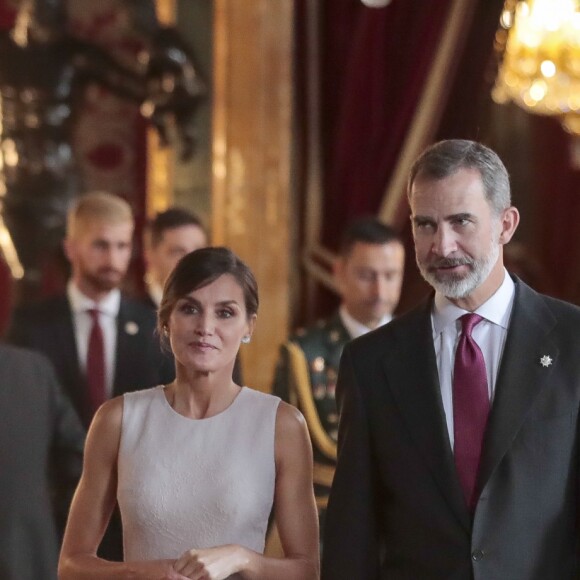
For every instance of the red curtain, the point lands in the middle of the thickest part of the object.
(555, 240)
(374, 63)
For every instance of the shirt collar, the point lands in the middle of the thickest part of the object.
(356, 328)
(155, 292)
(109, 305)
(496, 309)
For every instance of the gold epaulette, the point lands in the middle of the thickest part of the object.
(300, 380)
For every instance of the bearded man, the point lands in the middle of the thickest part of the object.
(458, 441)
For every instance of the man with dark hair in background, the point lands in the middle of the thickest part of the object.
(368, 274)
(167, 238)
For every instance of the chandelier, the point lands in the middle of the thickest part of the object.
(540, 68)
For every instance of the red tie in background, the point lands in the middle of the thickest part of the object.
(470, 407)
(96, 363)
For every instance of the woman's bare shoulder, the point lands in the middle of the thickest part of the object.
(109, 416)
(289, 418)
(291, 428)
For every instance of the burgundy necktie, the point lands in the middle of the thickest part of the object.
(96, 363)
(470, 407)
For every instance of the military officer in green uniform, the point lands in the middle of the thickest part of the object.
(368, 275)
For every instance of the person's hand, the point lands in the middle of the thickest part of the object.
(156, 570)
(210, 564)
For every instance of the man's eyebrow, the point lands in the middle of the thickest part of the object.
(447, 218)
(459, 216)
(422, 219)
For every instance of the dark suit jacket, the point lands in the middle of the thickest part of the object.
(140, 362)
(40, 433)
(396, 509)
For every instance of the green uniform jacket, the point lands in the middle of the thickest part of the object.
(321, 347)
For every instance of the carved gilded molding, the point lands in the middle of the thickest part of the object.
(160, 160)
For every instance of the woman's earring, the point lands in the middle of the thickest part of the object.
(166, 330)
(246, 339)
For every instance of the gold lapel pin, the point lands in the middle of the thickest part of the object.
(131, 328)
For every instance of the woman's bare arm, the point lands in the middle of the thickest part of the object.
(93, 504)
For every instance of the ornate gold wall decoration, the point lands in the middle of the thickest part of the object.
(252, 88)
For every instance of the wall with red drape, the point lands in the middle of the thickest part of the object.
(373, 65)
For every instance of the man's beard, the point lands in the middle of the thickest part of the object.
(102, 282)
(460, 286)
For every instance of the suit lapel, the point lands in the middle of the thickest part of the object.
(521, 376)
(414, 382)
(67, 345)
(130, 348)
(125, 352)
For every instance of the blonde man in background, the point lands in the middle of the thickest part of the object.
(101, 343)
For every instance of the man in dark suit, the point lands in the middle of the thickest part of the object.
(98, 245)
(167, 238)
(458, 443)
(368, 274)
(41, 437)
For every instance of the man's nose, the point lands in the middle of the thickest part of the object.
(118, 258)
(444, 242)
(381, 287)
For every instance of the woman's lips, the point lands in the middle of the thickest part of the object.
(203, 346)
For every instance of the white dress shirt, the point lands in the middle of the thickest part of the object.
(490, 335)
(82, 321)
(356, 328)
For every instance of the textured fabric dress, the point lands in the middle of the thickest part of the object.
(195, 483)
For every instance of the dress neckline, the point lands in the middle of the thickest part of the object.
(172, 411)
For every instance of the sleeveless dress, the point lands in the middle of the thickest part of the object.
(195, 483)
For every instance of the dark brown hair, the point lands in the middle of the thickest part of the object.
(367, 230)
(174, 217)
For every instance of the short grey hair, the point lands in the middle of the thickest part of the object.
(446, 157)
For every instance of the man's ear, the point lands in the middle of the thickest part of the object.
(147, 247)
(338, 271)
(509, 222)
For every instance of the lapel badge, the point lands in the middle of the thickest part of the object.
(319, 391)
(318, 364)
(131, 328)
(546, 361)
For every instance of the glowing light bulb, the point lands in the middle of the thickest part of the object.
(375, 3)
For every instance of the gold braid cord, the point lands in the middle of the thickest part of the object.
(300, 380)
